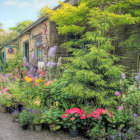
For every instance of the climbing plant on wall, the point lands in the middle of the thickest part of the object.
(92, 71)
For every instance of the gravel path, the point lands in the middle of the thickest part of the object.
(10, 130)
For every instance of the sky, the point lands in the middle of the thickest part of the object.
(15, 11)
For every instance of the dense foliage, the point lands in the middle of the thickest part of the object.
(93, 72)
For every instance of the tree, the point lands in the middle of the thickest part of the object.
(92, 71)
(1, 27)
(41, 13)
(6, 36)
(21, 26)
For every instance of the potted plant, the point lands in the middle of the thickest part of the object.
(5, 100)
(71, 120)
(30, 117)
(37, 122)
(53, 118)
(97, 123)
(24, 119)
(15, 116)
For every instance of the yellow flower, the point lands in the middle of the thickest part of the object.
(28, 80)
(38, 80)
(56, 103)
(26, 77)
(123, 96)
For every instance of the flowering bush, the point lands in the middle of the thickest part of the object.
(90, 120)
(71, 118)
(132, 98)
(5, 97)
(24, 117)
(75, 118)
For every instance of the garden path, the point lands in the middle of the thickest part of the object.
(10, 130)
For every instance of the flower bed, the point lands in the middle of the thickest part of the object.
(38, 100)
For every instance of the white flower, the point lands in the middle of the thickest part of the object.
(59, 63)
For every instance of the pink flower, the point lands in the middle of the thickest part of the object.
(75, 110)
(88, 115)
(48, 83)
(6, 89)
(96, 114)
(117, 93)
(123, 75)
(82, 117)
(38, 71)
(64, 116)
(37, 102)
(10, 74)
(72, 119)
(120, 108)
(111, 114)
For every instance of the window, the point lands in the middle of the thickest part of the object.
(39, 47)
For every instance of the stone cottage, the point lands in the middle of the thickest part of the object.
(39, 37)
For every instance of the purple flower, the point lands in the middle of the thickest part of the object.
(31, 110)
(24, 60)
(120, 134)
(31, 69)
(135, 115)
(137, 137)
(112, 137)
(123, 75)
(139, 87)
(14, 79)
(136, 78)
(120, 82)
(52, 51)
(117, 93)
(36, 65)
(33, 56)
(51, 64)
(27, 64)
(21, 109)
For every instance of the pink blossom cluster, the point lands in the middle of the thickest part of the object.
(76, 111)
(95, 114)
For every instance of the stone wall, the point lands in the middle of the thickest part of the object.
(129, 58)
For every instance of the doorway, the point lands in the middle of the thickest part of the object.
(26, 50)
